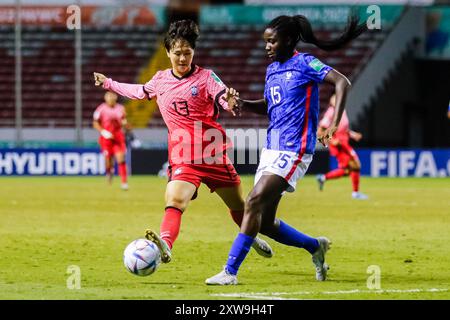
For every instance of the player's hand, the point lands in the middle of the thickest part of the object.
(233, 100)
(325, 137)
(106, 134)
(99, 78)
(355, 135)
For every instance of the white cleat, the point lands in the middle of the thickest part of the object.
(318, 258)
(262, 248)
(224, 278)
(359, 196)
(166, 253)
(124, 186)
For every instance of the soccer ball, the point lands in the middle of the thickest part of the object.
(141, 257)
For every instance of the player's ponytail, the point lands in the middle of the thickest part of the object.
(186, 30)
(298, 28)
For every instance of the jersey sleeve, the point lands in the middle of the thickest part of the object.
(150, 87)
(327, 118)
(313, 68)
(132, 91)
(216, 89)
(97, 113)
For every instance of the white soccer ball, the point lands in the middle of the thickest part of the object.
(141, 257)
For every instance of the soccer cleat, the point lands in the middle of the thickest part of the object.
(262, 248)
(166, 254)
(318, 258)
(124, 186)
(224, 278)
(320, 180)
(358, 195)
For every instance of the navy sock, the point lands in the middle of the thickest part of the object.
(291, 237)
(239, 249)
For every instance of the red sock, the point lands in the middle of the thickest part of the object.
(170, 226)
(237, 216)
(337, 173)
(354, 175)
(123, 171)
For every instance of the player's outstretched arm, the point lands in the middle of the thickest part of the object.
(341, 86)
(131, 91)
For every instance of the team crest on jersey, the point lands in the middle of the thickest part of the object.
(194, 91)
(178, 171)
(288, 75)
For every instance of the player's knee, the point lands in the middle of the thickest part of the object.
(177, 201)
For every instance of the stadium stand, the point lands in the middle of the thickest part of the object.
(48, 69)
(235, 53)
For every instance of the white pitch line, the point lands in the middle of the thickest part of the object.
(276, 295)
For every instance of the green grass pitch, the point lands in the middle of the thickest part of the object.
(48, 224)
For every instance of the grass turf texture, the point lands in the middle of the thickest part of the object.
(48, 224)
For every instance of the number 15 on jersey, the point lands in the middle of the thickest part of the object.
(275, 94)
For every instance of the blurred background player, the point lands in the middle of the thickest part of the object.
(189, 97)
(109, 120)
(291, 99)
(348, 161)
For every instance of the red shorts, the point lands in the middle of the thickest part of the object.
(343, 153)
(215, 176)
(112, 146)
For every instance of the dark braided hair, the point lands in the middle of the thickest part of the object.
(186, 30)
(298, 28)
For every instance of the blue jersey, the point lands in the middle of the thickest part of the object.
(292, 96)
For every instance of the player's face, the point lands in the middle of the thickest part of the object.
(110, 98)
(181, 55)
(275, 47)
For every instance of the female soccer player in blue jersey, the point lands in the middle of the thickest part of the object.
(291, 99)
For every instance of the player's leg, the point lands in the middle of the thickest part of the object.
(241, 246)
(337, 173)
(122, 165)
(232, 197)
(120, 150)
(107, 151)
(178, 195)
(279, 230)
(355, 169)
(109, 167)
(262, 203)
(260, 213)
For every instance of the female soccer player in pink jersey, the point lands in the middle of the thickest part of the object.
(189, 98)
(348, 161)
(109, 119)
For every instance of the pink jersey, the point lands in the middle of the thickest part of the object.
(110, 118)
(189, 106)
(343, 130)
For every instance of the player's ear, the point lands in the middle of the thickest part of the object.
(168, 54)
